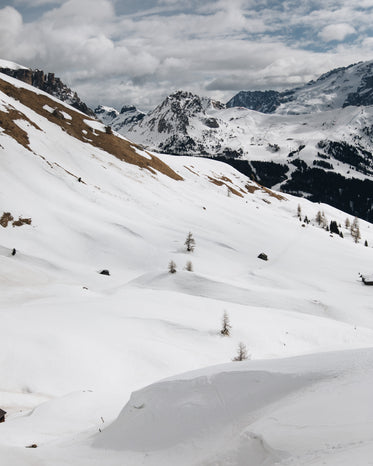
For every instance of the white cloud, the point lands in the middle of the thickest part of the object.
(336, 32)
(37, 3)
(210, 47)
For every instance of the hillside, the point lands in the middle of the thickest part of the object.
(78, 199)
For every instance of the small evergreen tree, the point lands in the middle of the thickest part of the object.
(226, 326)
(334, 227)
(241, 353)
(190, 242)
(347, 223)
(189, 266)
(172, 267)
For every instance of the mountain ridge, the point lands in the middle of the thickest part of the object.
(310, 141)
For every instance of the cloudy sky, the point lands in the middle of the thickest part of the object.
(138, 51)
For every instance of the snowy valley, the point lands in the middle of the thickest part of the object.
(130, 366)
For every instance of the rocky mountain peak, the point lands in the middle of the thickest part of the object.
(49, 83)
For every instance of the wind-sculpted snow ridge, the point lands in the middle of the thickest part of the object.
(286, 411)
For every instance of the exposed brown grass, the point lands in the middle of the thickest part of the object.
(110, 143)
(188, 168)
(5, 219)
(272, 194)
(10, 127)
(21, 221)
(252, 188)
(218, 182)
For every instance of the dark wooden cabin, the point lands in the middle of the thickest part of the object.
(367, 280)
(2, 415)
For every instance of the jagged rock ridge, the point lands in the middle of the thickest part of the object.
(49, 83)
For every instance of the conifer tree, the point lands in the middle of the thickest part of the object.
(241, 353)
(190, 242)
(172, 267)
(226, 326)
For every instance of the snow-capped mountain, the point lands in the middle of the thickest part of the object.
(79, 200)
(317, 144)
(339, 88)
(128, 116)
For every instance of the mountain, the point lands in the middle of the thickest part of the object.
(130, 366)
(339, 88)
(128, 116)
(316, 143)
(47, 82)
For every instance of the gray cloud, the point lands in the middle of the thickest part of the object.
(116, 51)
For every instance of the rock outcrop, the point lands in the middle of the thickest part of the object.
(49, 83)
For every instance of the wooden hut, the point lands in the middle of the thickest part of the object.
(367, 279)
(2, 415)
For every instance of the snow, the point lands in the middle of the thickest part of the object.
(78, 348)
(51, 110)
(257, 412)
(96, 125)
(11, 65)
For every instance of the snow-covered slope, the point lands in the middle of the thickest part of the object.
(75, 343)
(255, 413)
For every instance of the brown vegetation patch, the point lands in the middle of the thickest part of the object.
(251, 188)
(272, 194)
(110, 143)
(5, 219)
(222, 183)
(234, 191)
(215, 181)
(21, 221)
(188, 168)
(225, 178)
(8, 124)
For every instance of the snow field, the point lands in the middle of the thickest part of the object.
(82, 342)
